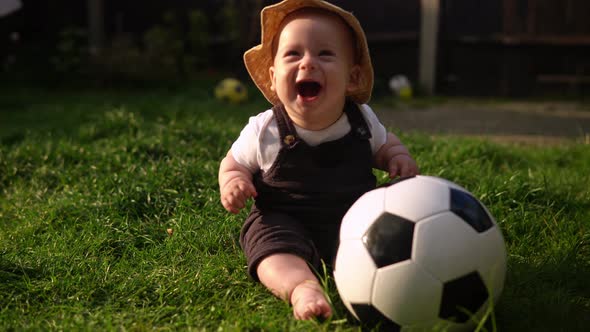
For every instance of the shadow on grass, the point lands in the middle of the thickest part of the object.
(15, 281)
(564, 303)
(11, 273)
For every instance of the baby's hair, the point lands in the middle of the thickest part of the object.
(318, 11)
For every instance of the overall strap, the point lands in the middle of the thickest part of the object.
(358, 124)
(287, 131)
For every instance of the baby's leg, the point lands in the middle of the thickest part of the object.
(290, 278)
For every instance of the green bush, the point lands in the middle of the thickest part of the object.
(166, 51)
(72, 50)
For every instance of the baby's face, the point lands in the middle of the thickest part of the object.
(313, 68)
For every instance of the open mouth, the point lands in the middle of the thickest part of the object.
(308, 89)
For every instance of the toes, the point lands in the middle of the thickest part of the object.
(327, 311)
(309, 301)
(313, 310)
(310, 311)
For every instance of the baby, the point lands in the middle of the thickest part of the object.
(306, 160)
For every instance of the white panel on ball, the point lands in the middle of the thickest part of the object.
(446, 246)
(362, 214)
(407, 198)
(444, 182)
(492, 264)
(409, 291)
(354, 272)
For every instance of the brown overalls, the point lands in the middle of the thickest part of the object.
(306, 192)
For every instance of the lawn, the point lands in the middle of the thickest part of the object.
(90, 182)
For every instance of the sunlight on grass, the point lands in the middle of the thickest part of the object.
(89, 186)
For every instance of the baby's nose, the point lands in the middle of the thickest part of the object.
(307, 63)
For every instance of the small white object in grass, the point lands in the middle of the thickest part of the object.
(401, 86)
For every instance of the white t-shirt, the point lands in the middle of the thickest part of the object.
(259, 142)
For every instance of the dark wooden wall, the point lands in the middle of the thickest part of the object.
(486, 47)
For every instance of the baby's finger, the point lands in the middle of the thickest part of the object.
(247, 190)
(392, 170)
(229, 206)
(238, 201)
(405, 171)
(251, 190)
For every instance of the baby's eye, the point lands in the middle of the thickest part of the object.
(326, 53)
(291, 53)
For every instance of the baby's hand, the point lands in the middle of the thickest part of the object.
(402, 165)
(235, 193)
(394, 157)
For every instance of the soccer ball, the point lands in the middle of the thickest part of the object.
(421, 254)
(231, 90)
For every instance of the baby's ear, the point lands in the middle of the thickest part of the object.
(271, 73)
(354, 79)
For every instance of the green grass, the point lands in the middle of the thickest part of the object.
(91, 181)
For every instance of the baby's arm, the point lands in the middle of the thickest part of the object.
(394, 157)
(235, 184)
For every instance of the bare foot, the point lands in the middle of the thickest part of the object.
(309, 302)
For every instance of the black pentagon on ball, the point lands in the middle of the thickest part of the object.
(389, 239)
(373, 318)
(238, 88)
(462, 297)
(470, 210)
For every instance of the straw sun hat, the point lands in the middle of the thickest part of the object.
(259, 58)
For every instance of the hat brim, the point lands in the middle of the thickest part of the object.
(259, 59)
